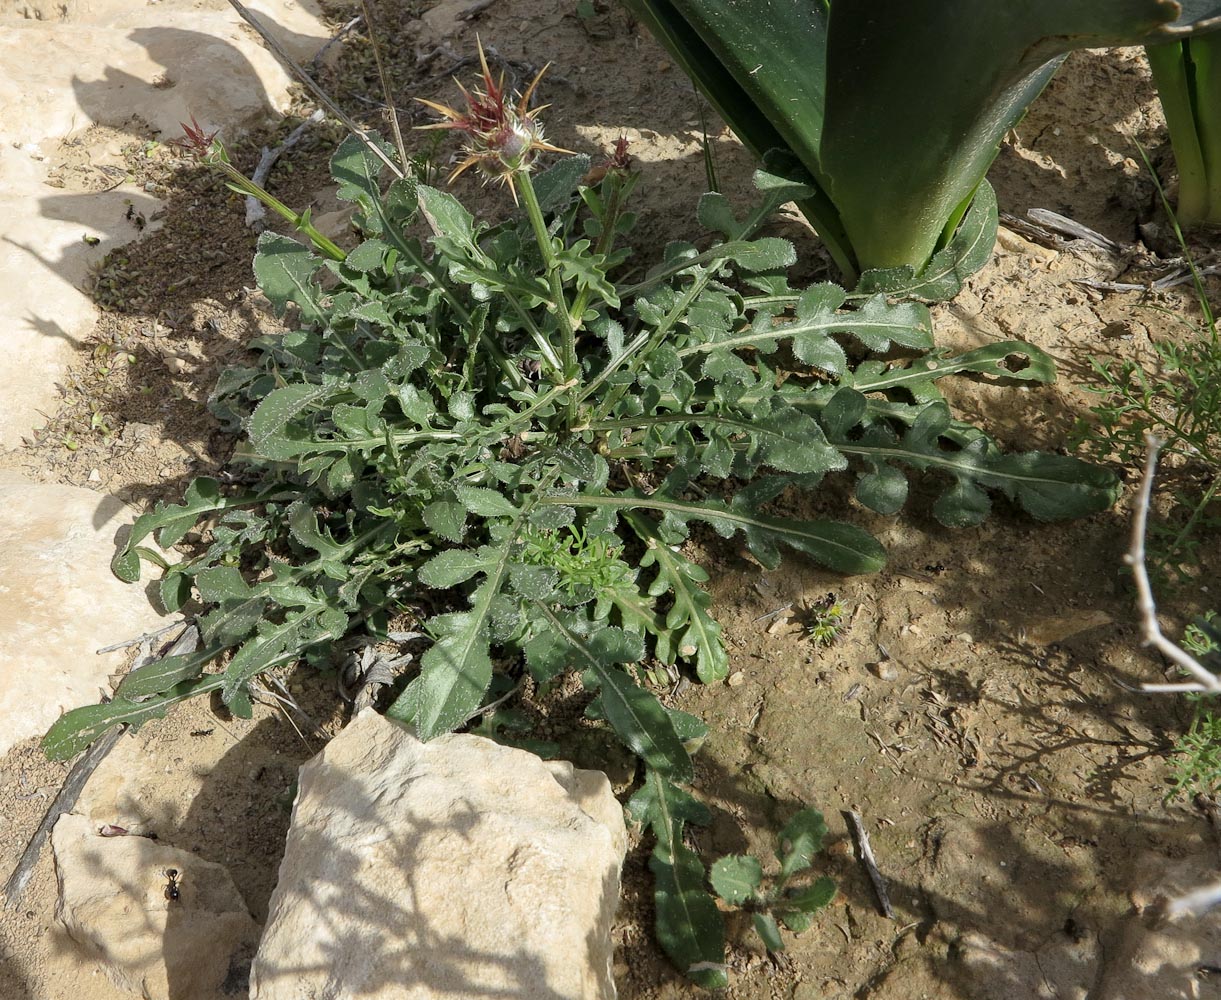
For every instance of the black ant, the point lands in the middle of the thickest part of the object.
(172, 892)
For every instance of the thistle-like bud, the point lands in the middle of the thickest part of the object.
(500, 139)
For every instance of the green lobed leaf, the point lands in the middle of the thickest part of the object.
(799, 841)
(841, 547)
(555, 187)
(271, 433)
(163, 674)
(811, 898)
(454, 566)
(172, 521)
(689, 926)
(284, 270)
(696, 632)
(768, 931)
(76, 729)
(736, 878)
(637, 717)
(485, 502)
(454, 674)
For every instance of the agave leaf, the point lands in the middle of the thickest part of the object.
(894, 109)
(1188, 78)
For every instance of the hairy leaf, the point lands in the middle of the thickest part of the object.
(736, 878)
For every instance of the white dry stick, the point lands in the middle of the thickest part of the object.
(1198, 901)
(255, 212)
(1205, 680)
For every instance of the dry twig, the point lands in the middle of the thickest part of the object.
(1200, 900)
(864, 854)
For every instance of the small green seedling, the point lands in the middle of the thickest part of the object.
(826, 620)
(738, 879)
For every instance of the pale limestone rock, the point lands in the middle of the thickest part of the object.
(59, 602)
(114, 904)
(67, 66)
(456, 868)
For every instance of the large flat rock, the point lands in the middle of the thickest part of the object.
(457, 868)
(69, 66)
(59, 602)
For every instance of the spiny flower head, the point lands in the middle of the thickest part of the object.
(499, 138)
(200, 143)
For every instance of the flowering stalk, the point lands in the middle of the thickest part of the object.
(502, 141)
(209, 150)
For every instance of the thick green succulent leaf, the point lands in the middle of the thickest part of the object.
(943, 276)
(700, 37)
(896, 153)
(984, 63)
(1188, 78)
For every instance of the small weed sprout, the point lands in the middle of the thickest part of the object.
(826, 620)
(739, 880)
(1196, 765)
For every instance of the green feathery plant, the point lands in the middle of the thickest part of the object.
(501, 426)
(1178, 399)
(1195, 766)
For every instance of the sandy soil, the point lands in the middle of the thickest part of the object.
(978, 713)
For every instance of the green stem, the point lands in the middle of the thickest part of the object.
(243, 185)
(568, 337)
(633, 356)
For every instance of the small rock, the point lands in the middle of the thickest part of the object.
(884, 669)
(736, 679)
(116, 902)
(457, 868)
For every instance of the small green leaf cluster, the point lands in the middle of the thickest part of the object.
(1195, 766)
(738, 879)
(824, 620)
(1177, 398)
(494, 424)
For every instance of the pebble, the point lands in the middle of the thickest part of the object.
(884, 670)
(736, 679)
